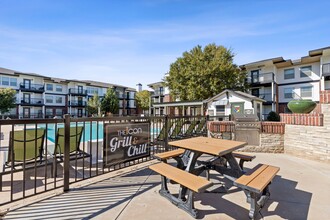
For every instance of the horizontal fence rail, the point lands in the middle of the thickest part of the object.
(39, 155)
(273, 127)
(312, 119)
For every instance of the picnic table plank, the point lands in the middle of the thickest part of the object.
(217, 147)
(263, 179)
(191, 181)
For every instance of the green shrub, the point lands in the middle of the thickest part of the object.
(273, 116)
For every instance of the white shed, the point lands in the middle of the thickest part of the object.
(231, 102)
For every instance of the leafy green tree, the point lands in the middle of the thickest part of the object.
(110, 102)
(7, 100)
(143, 98)
(94, 104)
(202, 73)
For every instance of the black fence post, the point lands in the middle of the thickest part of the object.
(206, 124)
(166, 133)
(66, 164)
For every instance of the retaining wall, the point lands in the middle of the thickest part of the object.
(311, 142)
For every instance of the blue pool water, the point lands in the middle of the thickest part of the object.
(91, 132)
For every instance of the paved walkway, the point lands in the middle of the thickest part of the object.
(299, 191)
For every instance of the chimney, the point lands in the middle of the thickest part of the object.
(139, 87)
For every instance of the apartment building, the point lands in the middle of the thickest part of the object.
(46, 97)
(159, 95)
(278, 81)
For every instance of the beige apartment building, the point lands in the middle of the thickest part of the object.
(40, 96)
(278, 81)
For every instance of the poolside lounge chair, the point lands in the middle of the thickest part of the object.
(161, 136)
(75, 139)
(191, 128)
(200, 129)
(25, 151)
(32, 140)
(177, 131)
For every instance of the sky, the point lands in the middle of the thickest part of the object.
(128, 42)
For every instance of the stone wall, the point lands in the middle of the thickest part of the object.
(309, 141)
(269, 143)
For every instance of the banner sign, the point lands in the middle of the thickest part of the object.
(125, 142)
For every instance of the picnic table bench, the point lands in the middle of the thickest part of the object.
(192, 183)
(178, 152)
(256, 183)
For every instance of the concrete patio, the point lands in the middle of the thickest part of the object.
(299, 191)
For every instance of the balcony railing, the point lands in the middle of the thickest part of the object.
(32, 101)
(82, 92)
(158, 93)
(32, 87)
(266, 96)
(121, 96)
(77, 103)
(261, 78)
(32, 115)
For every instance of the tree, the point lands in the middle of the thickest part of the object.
(94, 105)
(202, 73)
(142, 98)
(110, 102)
(7, 100)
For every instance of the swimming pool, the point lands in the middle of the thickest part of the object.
(92, 131)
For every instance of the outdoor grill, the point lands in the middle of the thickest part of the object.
(247, 128)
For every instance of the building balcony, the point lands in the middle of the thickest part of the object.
(121, 96)
(78, 92)
(77, 103)
(39, 88)
(32, 115)
(158, 93)
(261, 78)
(32, 101)
(267, 97)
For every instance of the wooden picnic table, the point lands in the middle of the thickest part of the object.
(254, 184)
(219, 148)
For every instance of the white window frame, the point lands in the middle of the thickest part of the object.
(48, 98)
(302, 95)
(285, 93)
(59, 88)
(286, 76)
(305, 73)
(49, 84)
(6, 81)
(58, 97)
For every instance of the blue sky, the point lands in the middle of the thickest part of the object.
(127, 42)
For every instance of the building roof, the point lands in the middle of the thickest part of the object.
(107, 85)
(274, 60)
(237, 93)
(60, 80)
(155, 84)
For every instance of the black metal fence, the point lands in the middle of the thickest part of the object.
(39, 155)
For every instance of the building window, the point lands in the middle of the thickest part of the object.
(306, 91)
(305, 71)
(58, 88)
(49, 111)
(289, 74)
(220, 108)
(49, 99)
(59, 99)
(288, 93)
(49, 87)
(59, 112)
(13, 82)
(5, 81)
